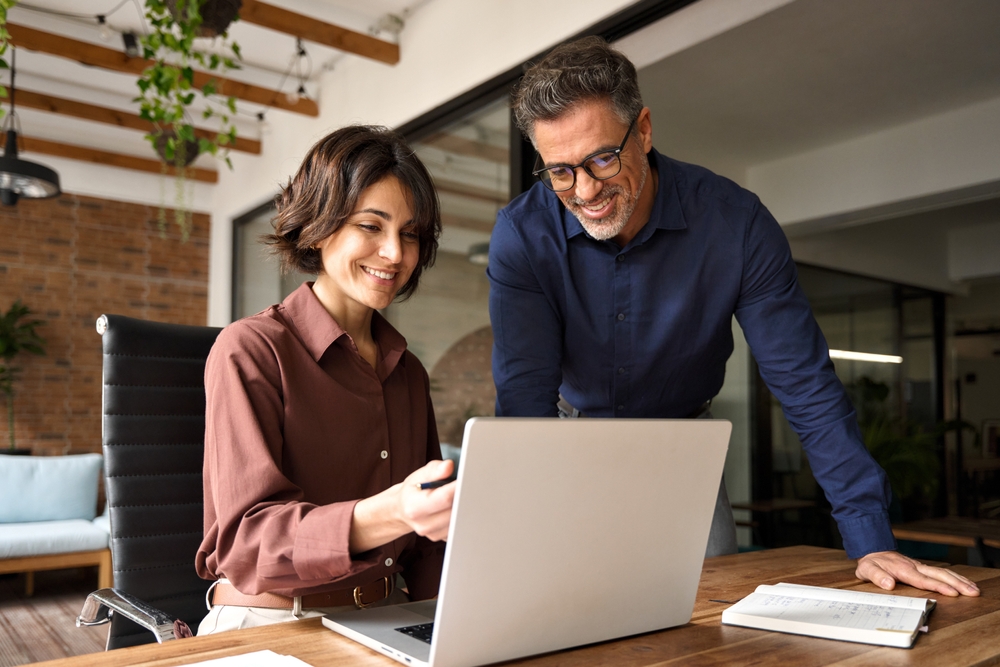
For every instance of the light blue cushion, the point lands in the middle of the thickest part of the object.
(48, 488)
(44, 538)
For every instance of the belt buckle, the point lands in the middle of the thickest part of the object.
(357, 594)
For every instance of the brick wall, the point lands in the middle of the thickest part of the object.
(462, 385)
(70, 259)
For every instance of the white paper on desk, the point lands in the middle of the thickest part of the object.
(835, 613)
(255, 659)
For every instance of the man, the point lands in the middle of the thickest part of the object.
(613, 283)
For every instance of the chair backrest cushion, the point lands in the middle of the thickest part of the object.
(154, 433)
(48, 488)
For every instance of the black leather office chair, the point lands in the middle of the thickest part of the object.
(154, 431)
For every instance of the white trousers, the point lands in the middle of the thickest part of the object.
(230, 617)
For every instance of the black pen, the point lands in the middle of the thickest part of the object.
(435, 484)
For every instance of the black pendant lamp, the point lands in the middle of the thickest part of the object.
(21, 178)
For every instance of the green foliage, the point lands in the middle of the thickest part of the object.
(17, 336)
(5, 6)
(167, 90)
(907, 453)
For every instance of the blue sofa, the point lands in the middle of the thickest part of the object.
(47, 516)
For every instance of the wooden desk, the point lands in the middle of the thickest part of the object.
(963, 630)
(956, 531)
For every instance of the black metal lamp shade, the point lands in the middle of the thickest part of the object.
(21, 178)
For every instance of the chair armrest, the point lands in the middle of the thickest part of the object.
(99, 605)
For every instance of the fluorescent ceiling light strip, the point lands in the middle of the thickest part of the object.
(865, 356)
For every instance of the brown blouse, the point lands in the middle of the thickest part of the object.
(299, 427)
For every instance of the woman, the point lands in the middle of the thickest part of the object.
(319, 425)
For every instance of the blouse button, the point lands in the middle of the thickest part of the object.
(388, 562)
(385, 454)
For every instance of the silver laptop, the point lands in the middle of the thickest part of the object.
(564, 532)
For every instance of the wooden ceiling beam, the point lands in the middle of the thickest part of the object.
(451, 220)
(116, 117)
(96, 156)
(471, 191)
(320, 32)
(478, 149)
(111, 59)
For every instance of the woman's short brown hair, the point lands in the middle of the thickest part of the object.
(325, 191)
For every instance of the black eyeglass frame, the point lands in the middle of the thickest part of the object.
(617, 153)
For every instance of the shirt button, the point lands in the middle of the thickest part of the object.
(621, 407)
(621, 316)
(388, 562)
(621, 371)
(385, 454)
(620, 258)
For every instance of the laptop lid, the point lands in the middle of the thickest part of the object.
(567, 532)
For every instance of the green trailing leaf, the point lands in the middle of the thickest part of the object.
(167, 90)
(18, 336)
(908, 454)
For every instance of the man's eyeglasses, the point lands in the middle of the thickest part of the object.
(600, 166)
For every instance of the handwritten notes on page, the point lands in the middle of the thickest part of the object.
(871, 618)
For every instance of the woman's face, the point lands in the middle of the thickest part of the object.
(373, 254)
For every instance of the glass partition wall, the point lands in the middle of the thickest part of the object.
(882, 339)
(446, 322)
(257, 279)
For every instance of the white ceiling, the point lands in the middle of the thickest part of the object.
(815, 72)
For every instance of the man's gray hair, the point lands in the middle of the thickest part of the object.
(586, 69)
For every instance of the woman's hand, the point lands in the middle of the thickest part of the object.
(405, 508)
(428, 512)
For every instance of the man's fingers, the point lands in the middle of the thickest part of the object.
(948, 581)
(884, 569)
(869, 571)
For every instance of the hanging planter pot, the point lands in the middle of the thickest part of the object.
(183, 153)
(216, 15)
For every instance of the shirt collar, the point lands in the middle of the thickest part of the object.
(318, 330)
(666, 214)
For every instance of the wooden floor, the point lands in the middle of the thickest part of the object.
(43, 627)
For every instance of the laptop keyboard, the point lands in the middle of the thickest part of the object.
(422, 632)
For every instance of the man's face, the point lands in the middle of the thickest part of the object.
(616, 208)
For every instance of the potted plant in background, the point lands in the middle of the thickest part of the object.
(905, 450)
(17, 336)
(168, 91)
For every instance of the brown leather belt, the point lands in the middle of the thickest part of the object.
(359, 596)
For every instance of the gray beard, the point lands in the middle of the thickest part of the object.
(610, 227)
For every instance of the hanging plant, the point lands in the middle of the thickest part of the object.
(216, 15)
(5, 5)
(168, 92)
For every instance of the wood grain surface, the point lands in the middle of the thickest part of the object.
(962, 630)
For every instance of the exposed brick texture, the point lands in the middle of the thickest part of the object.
(70, 259)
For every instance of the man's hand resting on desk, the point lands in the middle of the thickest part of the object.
(885, 568)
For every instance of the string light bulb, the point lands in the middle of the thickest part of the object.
(105, 29)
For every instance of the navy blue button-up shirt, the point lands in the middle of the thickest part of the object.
(645, 330)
